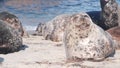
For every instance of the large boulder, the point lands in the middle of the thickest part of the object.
(14, 22)
(110, 13)
(54, 29)
(85, 40)
(10, 40)
(115, 33)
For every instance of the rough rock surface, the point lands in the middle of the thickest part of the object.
(10, 40)
(115, 33)
(85, 40)
(110, 13)
(54, 29)
(14, 22)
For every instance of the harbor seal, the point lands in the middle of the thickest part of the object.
(85, 40)
(110, 13)
(10, 40)
(14, 22)
(54, 29)
(40, 29)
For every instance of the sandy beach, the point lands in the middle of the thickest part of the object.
(40, 53)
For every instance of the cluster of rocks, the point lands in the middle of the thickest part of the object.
(85, 36)
(11, 33)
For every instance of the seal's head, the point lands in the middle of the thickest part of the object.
(103, 3)
(81, 21)
(81, 24)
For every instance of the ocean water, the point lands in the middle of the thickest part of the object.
(32, 12)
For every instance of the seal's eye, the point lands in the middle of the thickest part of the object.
(85, 15)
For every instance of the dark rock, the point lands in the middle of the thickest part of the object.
(14, 22)
(110, 13)
(96, 18)
(10, 40)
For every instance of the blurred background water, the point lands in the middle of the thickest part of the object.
(32, 12)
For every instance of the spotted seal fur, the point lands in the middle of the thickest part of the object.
(110, 14)
(54, 29)
(10, 39)
(85, 40)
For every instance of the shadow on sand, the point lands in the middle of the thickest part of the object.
(23, 47)
(1, 60)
